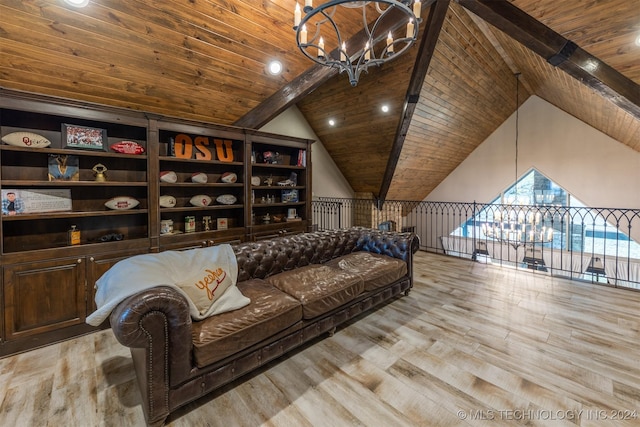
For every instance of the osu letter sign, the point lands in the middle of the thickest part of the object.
(184, 148)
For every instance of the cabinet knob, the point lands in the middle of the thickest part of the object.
(204, 244)
(79, 261)
(92, 259)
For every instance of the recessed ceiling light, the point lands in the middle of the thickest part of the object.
(332, 122)
(77, 3)
(591, 65)
(275, 68)
(385, 108)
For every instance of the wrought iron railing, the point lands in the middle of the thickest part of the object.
(593, 244)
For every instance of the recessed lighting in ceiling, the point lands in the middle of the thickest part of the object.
(385, 108)
(332, 122)
(77, 3)
(275, 68)
(591, 65)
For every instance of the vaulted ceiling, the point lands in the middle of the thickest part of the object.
(206, 60)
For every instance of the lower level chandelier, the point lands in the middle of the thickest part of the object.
(379, 44)
(519, 226)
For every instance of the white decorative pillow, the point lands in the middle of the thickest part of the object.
(206, 284)
(205, 274)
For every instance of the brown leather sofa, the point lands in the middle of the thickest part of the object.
(300, 287)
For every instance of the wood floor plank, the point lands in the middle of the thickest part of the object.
(472, 345)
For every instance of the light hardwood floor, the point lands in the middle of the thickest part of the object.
(472, 344)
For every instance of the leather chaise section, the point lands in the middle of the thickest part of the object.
(319, 288)
(224, 334)
(376, 270)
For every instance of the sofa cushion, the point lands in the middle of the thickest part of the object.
(269, 312)
(376, 270)
(319, 288)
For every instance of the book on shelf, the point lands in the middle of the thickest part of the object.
(302, 158)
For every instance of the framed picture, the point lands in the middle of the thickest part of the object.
(15, 202)
(82, 137)
(63, 167)
(289, 196)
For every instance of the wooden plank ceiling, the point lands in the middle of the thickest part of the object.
(206, 60)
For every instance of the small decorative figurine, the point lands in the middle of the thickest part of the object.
(100, 170)
(206, 223)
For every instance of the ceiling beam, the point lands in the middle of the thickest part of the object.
(314, 77)
(559, 52)
(286, 96)
(434, 23)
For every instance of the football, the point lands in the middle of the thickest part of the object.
(226, 199)
(229, 177)
(167, 201)
(168, 176)
(127, 147)
(200, 200)
(199, 177)
(26, 139)
(121, 203)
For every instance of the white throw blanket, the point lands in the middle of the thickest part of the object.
(141, 272)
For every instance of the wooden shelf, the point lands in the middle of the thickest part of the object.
(199, 235)
(37, 183)
(65, 151)
(277, 166)
(196, 161)
(266, 205)
(200, 208)
(277, 187)
(206, 184)
(73, 214)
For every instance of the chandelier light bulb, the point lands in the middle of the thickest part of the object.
(297, 16)
(417, 8)
(410, 28)
(389, 43)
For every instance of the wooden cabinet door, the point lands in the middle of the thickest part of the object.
(96, 267)
(43, 296)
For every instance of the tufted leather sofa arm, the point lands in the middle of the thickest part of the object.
(158, 319)
(397, 245)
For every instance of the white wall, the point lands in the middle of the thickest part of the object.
(327, 180)
(593, 167)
